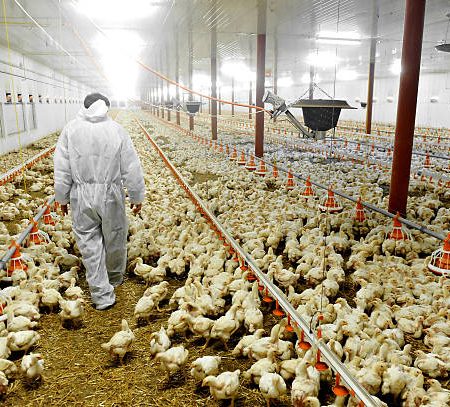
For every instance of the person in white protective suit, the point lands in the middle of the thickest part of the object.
(94, 159)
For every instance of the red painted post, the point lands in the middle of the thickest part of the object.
(260, 77)
(407, 103)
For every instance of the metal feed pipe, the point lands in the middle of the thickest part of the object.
(21, 238)
(10, 174)
(275, 292)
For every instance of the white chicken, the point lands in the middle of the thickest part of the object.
(223, 387)
(205, 366)
(120, 343)
(72, 312)
(32, 366)
(272, 387)
(173, 359)
(159, 342)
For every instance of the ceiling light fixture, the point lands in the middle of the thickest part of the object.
(115, 10)
(339, 37)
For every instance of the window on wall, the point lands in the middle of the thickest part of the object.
(14, 118)
(31, 108)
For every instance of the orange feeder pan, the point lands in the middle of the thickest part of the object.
(360, 216)
(330, 203)
(338, 389)
(289, 327)
(275, 171)
(267, 298)
(440, 259)
(290, 181)
(320, 365)
(278, 312)
(251, 166)
(242, 160)
(234, 155)
(427, 162)
(35, 234)
(261, 171)
(47, 217)
(15, 263)
(302, 344)
(397, 230)
(308, 192)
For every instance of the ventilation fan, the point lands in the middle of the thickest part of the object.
(445, 46)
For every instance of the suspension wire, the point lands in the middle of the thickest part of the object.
(62, 65)
(14, 95)
(330, 165)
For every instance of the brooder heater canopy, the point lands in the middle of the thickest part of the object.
(192, 106)
(321, 114)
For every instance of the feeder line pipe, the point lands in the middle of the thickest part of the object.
(283, 302)
(381, 147)
(19, 168)
(25, 233)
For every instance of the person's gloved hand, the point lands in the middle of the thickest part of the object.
(136, 208)
(64, 209)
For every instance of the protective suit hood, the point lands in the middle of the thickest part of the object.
(95, 113)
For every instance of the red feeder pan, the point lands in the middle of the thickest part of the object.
(35, 234)
(48, 218)
(440, 259)
(359, 211)
(427, 162)
(261, 171)
(290, 181)
(267, 298)
(397, 230)
(303, 345)
(330, 203)
(289, 326)
(277, 311)
(338, 389)
(308, 191)
(234, 155)
(275, 171)
(242, 160)
(320, 366)
(251, 166)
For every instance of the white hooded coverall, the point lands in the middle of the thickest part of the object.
(94, 159)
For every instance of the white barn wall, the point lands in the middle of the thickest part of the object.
(27, 76)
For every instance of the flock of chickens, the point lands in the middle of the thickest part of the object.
(311, 256)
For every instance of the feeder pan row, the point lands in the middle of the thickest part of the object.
(320, 364)
(440, 259)
(10, 175)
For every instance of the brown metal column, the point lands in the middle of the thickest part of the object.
(232, 96)
(167, 84)
(162, 85)
(250, 99)
(214, 75)
(373, 49)
(177, 74)
(220, 104)
(190, 69)
(311, 82)
(260, 77)
(275, 64)
(407, 103)
(250, 90)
